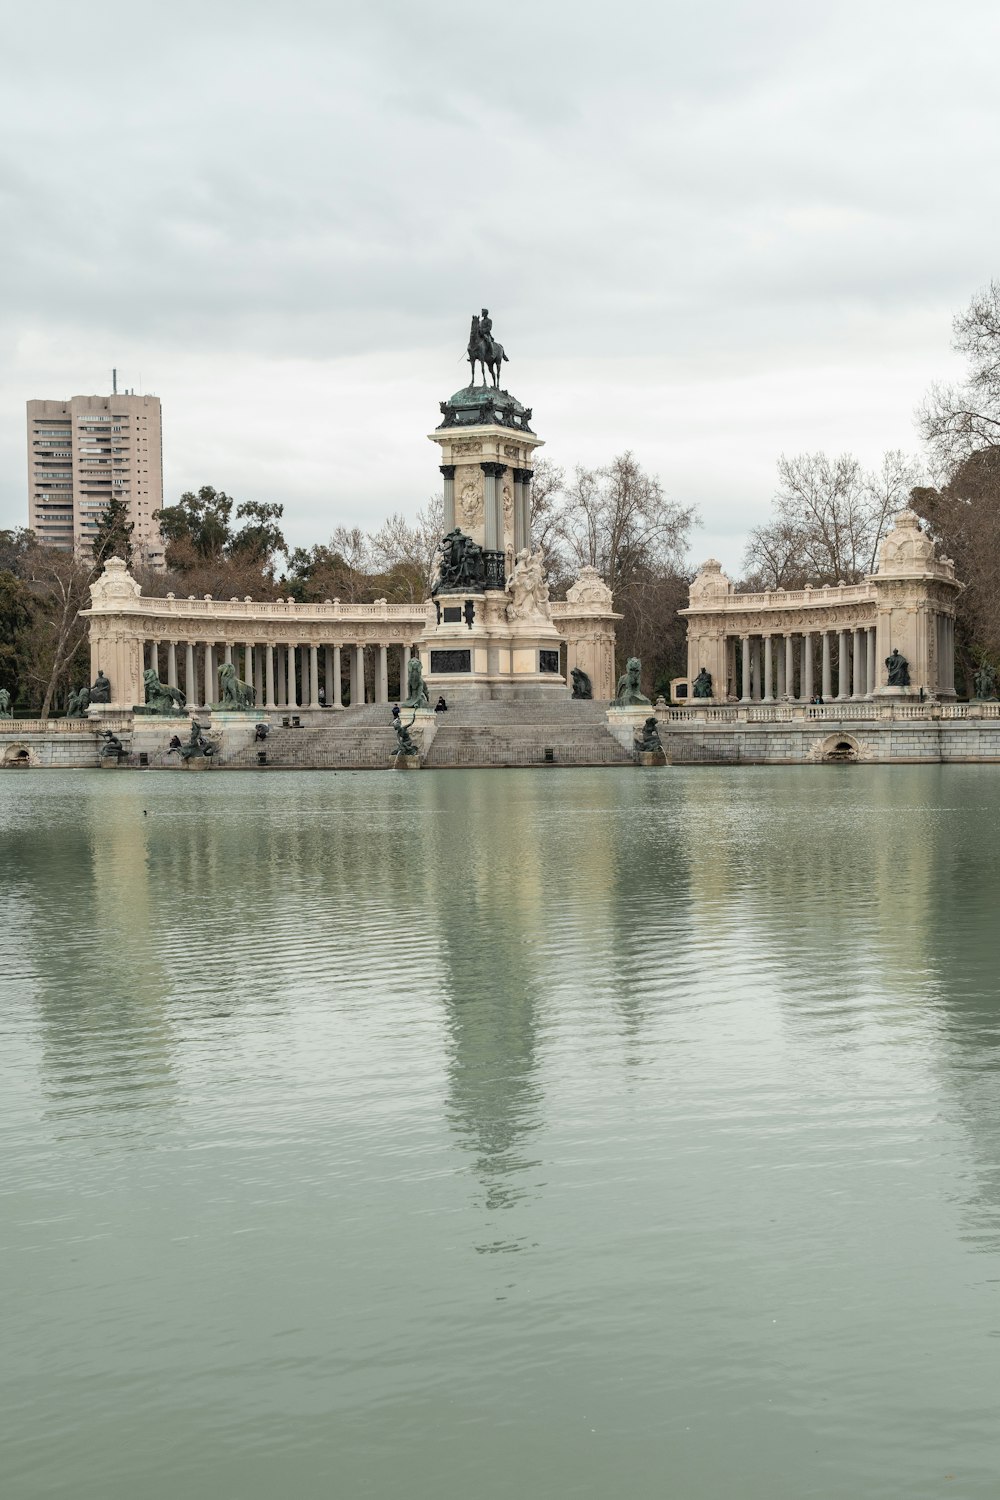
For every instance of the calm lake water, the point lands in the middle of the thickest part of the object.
(490, 1134)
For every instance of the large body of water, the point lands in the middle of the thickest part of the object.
(490, 1134)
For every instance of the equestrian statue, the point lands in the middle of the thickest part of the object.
(484, 350)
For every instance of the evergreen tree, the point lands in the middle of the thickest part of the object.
(113, 537)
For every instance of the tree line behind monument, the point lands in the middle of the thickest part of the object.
(829, 516)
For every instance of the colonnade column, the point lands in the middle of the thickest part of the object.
(404, 673)
(843, 679)
(872, 680)
(789, 667)
(190, 685)
(858, 665)
(293, 696)
(358, 676)
(172, 664)
(448, 475)
(382, 688)
(826, 692)
(228, 658)
(807, 692)
(248, 663)
(208, 674)
(768, 691)
(747, 683)
(269, 676)
(779, 668)
(337, 689)
(313, 676)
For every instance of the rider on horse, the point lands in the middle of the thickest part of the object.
(483, 348)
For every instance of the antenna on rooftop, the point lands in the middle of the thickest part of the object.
(114, 382)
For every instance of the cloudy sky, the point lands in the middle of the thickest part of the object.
(708, 232)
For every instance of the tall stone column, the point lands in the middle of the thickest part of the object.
(843, 667)
(755, 668)
(859, 664)
(827, 689)
(870, 678)
(448, 476)
(807, 692)
(358, 676)
(747, 675)
(404, 669)
(248, 664)
(313, 676)
(293, 692)
(209, 697)
(229, 654)
(269, 700)
(789, 667)
(190, 682)
(382, 694)
(493, 524)
(338, 691)
(779, 668)
(768, 687)
(171, 664)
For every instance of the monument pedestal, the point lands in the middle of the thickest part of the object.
(472, 651)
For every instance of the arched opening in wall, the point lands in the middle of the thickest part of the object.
(840, 750)
(16, 757)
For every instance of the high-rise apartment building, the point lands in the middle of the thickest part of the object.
(83, 451)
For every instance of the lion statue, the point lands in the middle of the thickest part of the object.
(416, 692)
(236, 695)
(582, 685)
(77, 703)
(5, 712)
(628, 694)
(161, 699)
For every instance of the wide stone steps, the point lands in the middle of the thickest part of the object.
(525, 745)
(566, 732)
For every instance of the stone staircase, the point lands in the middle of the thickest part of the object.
(562, 733)
(565, 732)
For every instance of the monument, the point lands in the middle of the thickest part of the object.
(489, 632)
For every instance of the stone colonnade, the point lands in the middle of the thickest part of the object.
(284, 675)
(832, 641)
(790, 666)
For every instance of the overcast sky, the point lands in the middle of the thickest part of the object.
(708, 232)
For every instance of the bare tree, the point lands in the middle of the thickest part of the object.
(956, 420)
(618, 520)
(830, 518)
(59, 583)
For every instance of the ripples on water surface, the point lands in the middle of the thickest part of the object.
(501, 1133)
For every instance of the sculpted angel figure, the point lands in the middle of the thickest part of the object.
(529, 593)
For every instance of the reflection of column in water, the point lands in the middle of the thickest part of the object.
(103, 987)
(488, 896)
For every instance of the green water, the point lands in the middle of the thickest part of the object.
(489, 1134)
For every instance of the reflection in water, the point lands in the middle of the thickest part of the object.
(286, 1059)
(486, 885)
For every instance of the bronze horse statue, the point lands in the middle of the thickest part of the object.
(484, 350)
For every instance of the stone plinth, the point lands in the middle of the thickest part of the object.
(624, 722)
(650, 758)
(486, 655)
